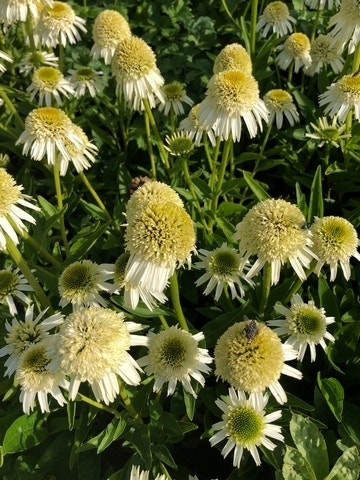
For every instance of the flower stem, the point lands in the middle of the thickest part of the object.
(185, 170)
(152, 122)
(60, 203)
(10, 106)
(15, 254)
(150, 148)
(297, 284)
(266, 282)
(98, 405)
(175, 298)
(37, 246)
(254, 11)
(93, 192)
(127, 402)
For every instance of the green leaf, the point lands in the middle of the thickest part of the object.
(111, 433)
(316, 204)
(310, 443)
(296, 467)
(163, 454)
(347, 466)
(256, 187)
(351, 422)
(333, 393)
(229, 208)
(139, 439)
(327, 298)
(86, 239)
(24, 433)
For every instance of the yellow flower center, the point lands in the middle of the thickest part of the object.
(48, 122)
(249, 362)
(233, 57)
(307, 322)
(8, 283)
(350, 86)
(163, 232)
(297, 44)
(58, 14)
(85, 73)
(173, 91)
(272, 230)
(245, 425)
(277, 99)
(133, 59)
(47, 78)
(234, 91)
(9, 192)
(224, 262)
(276, 12)
(109, 28)
(334, 239)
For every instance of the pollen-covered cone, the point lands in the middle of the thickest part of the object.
(250, 357)
(273, 230)
(93, 347)
(137, 76)
(159, 239)
(150, 191)
(232, 97)
(233, 57)
(109, 28)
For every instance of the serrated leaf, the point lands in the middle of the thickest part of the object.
(310, 443)
(333, 393)
(347, 467)
(296, 467)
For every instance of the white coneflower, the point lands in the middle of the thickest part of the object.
(50, 133)
(273, 231)
(82, 155)
(12, 11)
(12, 201)
(335, 242)
(86, 79)
(179, 144)
(150, 191)
(276, 18)
(321, 4)
(232, 98)
(304, 325)
(109, 28)
(37, 380)
(280, 104)
(328, 134)
(245, 426)
(233, 57)
(137, 474)
(341, 97)
(81, 283)
(4, 56)
(191, 126)
(48, 83)
(295, 49)
(324, 51)
(223, 266)
(137, 76)
(34, 60)
(93, 346)
(13, 284)
(346, 24)
(250, 357)
(58, 24)
(175, 356)
(24, 333)
(174, 97)
(160, 239)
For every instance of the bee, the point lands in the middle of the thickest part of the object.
(251, 330)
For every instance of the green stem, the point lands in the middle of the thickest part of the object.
(254, 12)
(60, 203)
(266, 138)
(153, 125)
(266, 283)
(185, 170)
(10, 106)
(163, 321)
(98, 405)
(127, 402)
(297, 284)
(93, 192)
(226, 8)
(15, 254)
(150, 148)
(175, 298)
(39, 248)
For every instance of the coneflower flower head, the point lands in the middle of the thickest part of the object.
(342, 96)
(280, 104)
(137, 76)
(296, 50)
(109, 29)
(233, 57)
(276, 18)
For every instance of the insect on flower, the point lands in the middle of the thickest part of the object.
(251, 330)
